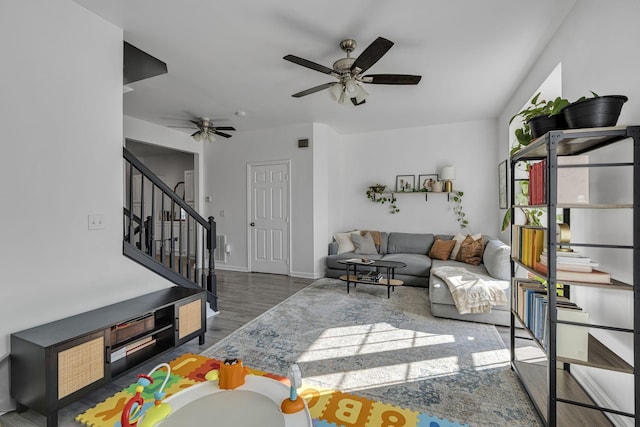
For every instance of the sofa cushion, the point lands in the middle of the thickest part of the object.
(441, 249)
(471, 251)
(417, 264)
(496, 259)
(344, 242)
(409, 243)
(364, 244)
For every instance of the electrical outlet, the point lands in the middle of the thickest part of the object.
(96, 222)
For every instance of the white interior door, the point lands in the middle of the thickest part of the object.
(269, 218)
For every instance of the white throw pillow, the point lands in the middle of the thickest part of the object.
(344, 242)
(459, 238)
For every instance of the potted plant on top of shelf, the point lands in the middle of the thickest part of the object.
(596, 111)
(538, 118)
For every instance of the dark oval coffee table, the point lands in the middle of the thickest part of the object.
(390, 281)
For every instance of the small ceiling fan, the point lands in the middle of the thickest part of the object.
(206, 130)
(349, 72)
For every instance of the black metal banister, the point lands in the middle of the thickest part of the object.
(180, 244)
(162, 186)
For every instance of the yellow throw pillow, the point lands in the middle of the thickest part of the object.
(441, 249)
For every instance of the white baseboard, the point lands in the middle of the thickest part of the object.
(307, 275)
(601, 398)
(231, 268)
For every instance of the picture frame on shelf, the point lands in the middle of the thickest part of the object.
(426, 181)
(502, 185)
(405, 183)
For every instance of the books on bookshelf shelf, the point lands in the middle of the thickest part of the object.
(527, 243)
(573, 182)
(532, 306)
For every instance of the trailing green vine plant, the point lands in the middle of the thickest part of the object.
(375, 193)
(456, 198)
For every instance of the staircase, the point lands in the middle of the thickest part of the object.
(166, 235)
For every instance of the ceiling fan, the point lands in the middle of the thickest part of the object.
(349, 72)
(206, 130)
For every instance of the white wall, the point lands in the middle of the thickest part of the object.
(61, 112)
(377, 157)
(598, 48)
(329, 180)
(225, 180)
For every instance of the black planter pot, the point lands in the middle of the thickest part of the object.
(543, 124)
(594, 112)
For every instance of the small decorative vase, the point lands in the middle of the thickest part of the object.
(437, 186)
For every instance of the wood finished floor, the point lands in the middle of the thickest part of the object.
(241, 298)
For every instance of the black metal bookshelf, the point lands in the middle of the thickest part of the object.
(557, 396)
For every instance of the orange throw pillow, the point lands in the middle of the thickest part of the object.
(471, 251)
(441, 249)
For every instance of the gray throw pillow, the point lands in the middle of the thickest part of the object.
(364, 244)
(496, 260)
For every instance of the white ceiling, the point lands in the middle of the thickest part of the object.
(226, 56)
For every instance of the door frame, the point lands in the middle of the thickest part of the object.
(250, 165)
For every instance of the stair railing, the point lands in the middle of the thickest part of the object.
(164, 233)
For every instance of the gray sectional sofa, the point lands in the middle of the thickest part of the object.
(413, 250)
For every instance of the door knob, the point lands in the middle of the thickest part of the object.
(253, 224)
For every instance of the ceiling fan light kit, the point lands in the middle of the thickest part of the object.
(349, 71)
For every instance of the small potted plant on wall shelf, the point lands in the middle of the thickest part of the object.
(375, 193)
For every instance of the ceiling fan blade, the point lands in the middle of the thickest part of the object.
(356, 103)
(312, 90)
(180, 127)
(194, 134)
(372, 54)
(195, 123)
(391, 79)
(308, 64)
(224, 128)
(225, 135)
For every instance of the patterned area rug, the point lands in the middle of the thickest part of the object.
(386, 350)
(327, 407)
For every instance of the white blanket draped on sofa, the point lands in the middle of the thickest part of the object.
(472, 293)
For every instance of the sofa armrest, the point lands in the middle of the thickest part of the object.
(333, 248)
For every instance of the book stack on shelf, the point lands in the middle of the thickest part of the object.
(573, 267)
(532, 307)
(369, 276)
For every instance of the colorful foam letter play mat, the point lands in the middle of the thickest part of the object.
(328, 408)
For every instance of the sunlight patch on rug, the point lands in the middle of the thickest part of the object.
(368, 339)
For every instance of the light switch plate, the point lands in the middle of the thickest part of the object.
(96, 222)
